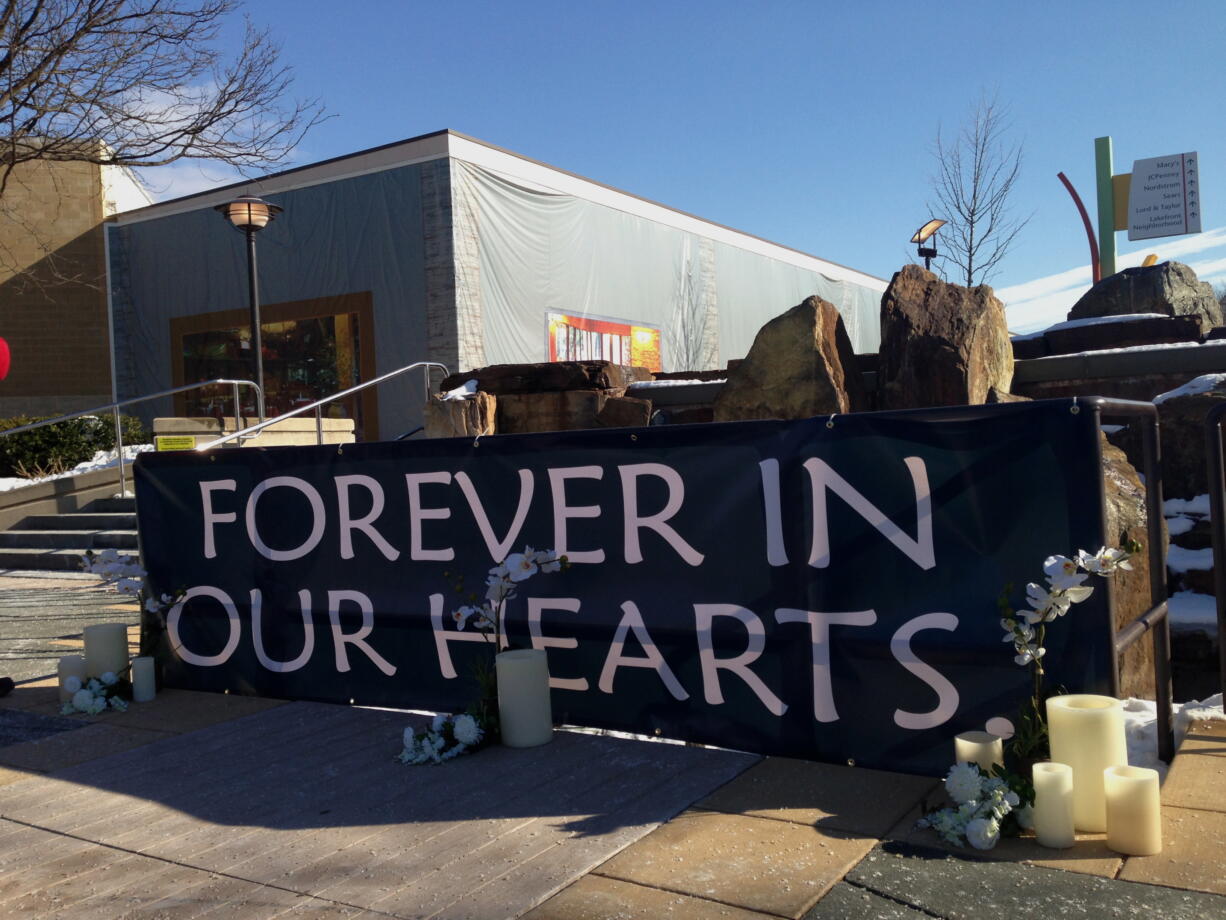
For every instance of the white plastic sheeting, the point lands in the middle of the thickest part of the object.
(541, 252)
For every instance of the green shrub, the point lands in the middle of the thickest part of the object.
(56, 448)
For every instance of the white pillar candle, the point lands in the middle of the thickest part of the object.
(69, 666)
(1087, 733)
(106, 648)
(1053, 805)
(524, 712)
(1134, 813)
(144, 687)
(982, 748)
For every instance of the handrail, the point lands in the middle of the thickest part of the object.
(319, 436)
(115, 406)
(1157, 618)
(1217, 525)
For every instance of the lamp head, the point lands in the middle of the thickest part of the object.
(248, 212)
(922, 235)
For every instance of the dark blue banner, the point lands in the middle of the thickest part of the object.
(822, 589)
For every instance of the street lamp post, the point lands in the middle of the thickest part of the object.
(251, 215)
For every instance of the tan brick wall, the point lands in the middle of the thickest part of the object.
(52, 289)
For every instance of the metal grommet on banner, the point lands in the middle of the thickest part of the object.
(340, 451)
(830, 421)
(634, 437)
(1074, 408)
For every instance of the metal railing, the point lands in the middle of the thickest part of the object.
(1155, 619)
(114, 408)
(1217, 526)
(319, 404)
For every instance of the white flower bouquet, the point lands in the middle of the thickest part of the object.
(983, 806)
(96, 694)
(447, 737)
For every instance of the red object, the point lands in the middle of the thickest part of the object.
(5, 359)
(1095, 265)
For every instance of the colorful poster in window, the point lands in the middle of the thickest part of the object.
(587, 338)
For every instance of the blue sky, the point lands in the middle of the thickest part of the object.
(809, 124)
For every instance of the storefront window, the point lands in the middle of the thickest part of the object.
(304, 360)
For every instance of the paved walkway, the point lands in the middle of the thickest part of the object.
(225, 806)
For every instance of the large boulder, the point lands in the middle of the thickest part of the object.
(941, 344)
(1170, 288)
(1181, 420)
(801, 364)
(461, 418)
(1126, 524)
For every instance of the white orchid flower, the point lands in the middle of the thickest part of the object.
(1062, 573)
(1105, 561)
(521, 566)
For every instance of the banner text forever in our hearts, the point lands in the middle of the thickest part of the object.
(348, 518)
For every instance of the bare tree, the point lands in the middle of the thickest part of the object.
(976, 172)
(135, 83)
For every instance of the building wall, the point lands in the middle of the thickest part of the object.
(53, 307)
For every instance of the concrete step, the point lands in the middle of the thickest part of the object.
(113, 506)
(81, 520)
(68, 539)
(60, 560)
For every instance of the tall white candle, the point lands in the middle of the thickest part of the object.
(144, 687)
(69, 666)
(1053, 805)
(106, 648)
(1134, 812)
(524, 712)
(1087, 733)
(982, 748)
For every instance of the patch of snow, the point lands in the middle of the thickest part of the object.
(1112, 429)
(1191, 611)
(655, 384)
(1141, 727)
(1201, 384)
(1179, 559)
(1178, 524)
(1198, 505)
(1159, 346)
(103, 460)
(466, 390)
(1089, 321)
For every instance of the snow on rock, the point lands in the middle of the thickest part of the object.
(1179, 524)
(1179, 559)
(1198, 505)
(103, 460)
(1191, 611)
(1141, 727)
(1157, 346)
(1091, 321)
(1201, 384)
(658, 384)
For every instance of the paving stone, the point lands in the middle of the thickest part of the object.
(1088, 855)
(182, 711)
(832, 796)
(17, 726)
(43, 696)
(757, 863)
(597, 898)
(8, 776)
(947, 886)
(1193, 853)
(70, 748)
(1198, 774)
(848, 902)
